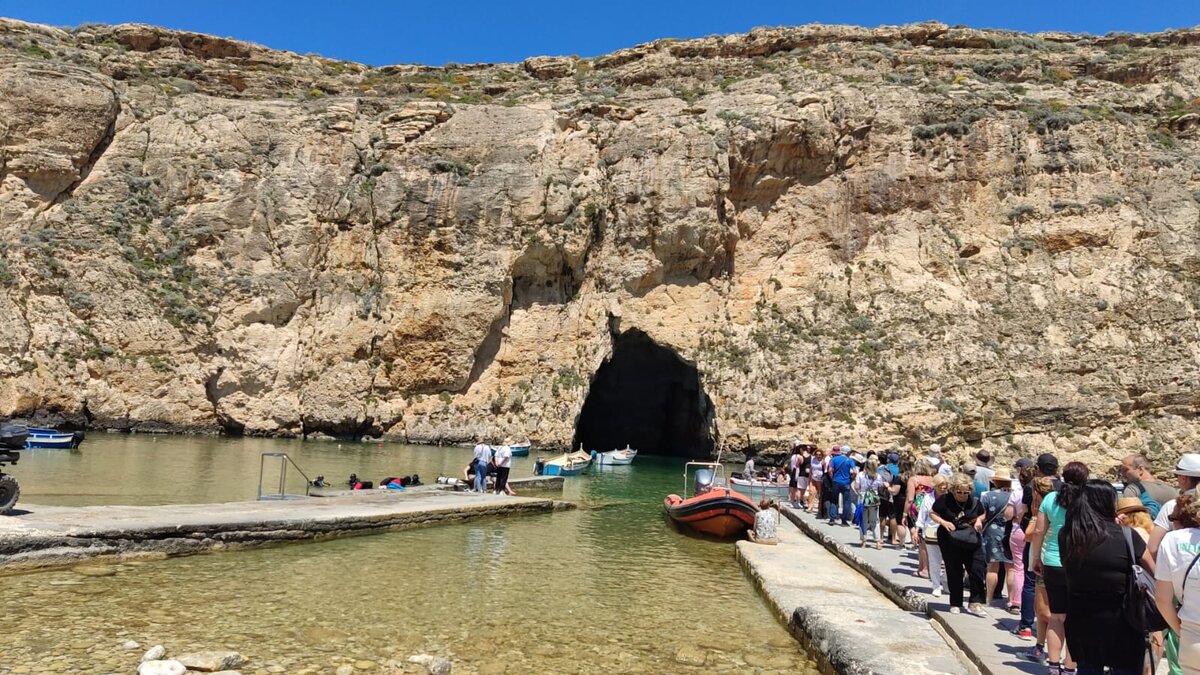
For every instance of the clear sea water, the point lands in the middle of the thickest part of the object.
(609, 587)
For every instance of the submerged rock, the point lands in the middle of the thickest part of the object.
(169, 667)
(435, 665)
(211, 661)
(691, 656)
(154, 653)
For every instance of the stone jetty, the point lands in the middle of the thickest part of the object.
(36, 537)
(846, 624)
(987, 642)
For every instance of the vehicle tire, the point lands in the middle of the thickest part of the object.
(9, 491)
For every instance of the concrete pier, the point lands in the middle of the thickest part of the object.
(37, 537)
(847, 625)
(986, 641)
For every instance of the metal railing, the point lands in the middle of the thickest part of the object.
(284, 461)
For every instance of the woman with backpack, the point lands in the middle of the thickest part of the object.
(867, 486)
(918, 489)
(1098, 556)
(1177, 576)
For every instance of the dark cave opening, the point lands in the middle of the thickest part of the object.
(647, 397)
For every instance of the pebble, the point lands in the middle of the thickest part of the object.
(154, 653)
(345, 669)
(364, 665)
(130, 645)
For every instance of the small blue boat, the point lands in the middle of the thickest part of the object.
(50, 438)
(520, 449)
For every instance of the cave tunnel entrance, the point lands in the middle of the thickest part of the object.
(647, 397)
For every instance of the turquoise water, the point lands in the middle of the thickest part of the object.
(609, 587)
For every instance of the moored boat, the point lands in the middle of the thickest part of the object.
(570, 464)
(12, 436)
(51, 438)
(617, 457)
(520, 449)
(714, 509)
(757, 489)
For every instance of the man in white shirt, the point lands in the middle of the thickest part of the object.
(1187, 475)
(483, 456)
(503, 462)
(748, 470)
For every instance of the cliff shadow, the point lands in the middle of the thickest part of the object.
(647, 397)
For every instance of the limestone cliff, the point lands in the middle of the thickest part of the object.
(892, 235)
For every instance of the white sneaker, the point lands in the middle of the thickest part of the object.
(956, 610)
(936, 592)
(976, 609)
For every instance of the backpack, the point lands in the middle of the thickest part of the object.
(1140, 610)
(923, 492)
(1147, 501)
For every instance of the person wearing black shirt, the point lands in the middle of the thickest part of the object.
(959, 516)
(1095, 556)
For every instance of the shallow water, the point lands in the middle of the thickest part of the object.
(610, 587)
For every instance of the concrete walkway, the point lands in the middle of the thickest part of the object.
(987, 641)
(53, 536)
(847, 625)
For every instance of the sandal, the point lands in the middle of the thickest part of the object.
(1014, 609)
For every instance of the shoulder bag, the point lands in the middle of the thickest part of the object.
(964, 534)
(1140, 610)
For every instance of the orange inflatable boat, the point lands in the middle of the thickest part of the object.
(714, 510)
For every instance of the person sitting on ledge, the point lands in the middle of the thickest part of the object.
(766, 522)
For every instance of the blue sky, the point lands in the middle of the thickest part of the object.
(467, 31)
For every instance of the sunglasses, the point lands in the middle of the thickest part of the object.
(962, 492)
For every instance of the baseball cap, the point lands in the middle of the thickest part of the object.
(968, 467)
(935, 449)
(1023, 462)
(1188, 465)
(892, 458)
(1048, 463)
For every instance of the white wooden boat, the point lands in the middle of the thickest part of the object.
(618, 457)
(570, 464)
(758, 489)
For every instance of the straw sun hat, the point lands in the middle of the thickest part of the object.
(1127, 505)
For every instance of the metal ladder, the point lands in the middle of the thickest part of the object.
(284, 461)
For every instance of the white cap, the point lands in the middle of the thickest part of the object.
(935, 449)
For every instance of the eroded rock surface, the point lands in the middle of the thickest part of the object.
(892, 235)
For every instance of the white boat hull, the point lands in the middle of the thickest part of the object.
(759, 488)
(617, 457)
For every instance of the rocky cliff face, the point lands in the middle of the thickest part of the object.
(897, 235)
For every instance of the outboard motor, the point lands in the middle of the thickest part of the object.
(77, 438)
(539, 467)
(704, 481)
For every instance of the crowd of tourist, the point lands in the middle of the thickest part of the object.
(1095, 572)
